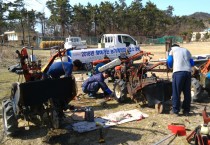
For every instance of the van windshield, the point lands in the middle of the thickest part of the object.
(128, 40)
(74, 40)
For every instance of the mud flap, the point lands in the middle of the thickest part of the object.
(159, 92)
(207, 85)
(37, 92)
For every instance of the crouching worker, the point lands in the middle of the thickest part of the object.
(94, 83)
(58, 69)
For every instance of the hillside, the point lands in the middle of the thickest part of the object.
(202, 16)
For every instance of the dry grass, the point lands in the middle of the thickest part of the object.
(145, 132)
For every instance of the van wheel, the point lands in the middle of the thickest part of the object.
(195, 90)
(120, 91)
(9, 119)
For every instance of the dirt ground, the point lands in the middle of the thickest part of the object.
(144, 132)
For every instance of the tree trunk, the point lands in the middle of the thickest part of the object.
(23, 32)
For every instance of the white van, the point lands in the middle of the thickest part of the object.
(116, 40)
(111, 46)
(75, 43)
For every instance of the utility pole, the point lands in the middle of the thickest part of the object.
(95, 23)
(29, 42)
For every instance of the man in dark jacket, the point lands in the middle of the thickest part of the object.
(59, 69)
(94, 83)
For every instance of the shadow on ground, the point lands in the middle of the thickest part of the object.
(113, 135)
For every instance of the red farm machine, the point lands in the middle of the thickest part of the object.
(133, 81)
(37, 100)
(200, 84)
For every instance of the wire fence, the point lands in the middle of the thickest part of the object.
(141, 40)
(94, 40)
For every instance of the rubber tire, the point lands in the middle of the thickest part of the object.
(120, 91)
(195, 90)
(13, 90)
(9, 119)
(54, 119)
(53, 114)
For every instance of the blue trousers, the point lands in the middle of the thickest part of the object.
(181, 83)
(92, 88)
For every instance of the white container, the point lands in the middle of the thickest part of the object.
(109, 65)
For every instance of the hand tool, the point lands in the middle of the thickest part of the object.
(176, 130)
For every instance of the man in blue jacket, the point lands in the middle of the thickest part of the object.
(94, 83)
(59, 69)
(180, 59)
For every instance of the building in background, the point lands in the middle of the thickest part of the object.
(203, 35)
(11, 36)
(15, 38)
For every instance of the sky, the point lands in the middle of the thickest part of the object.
(181, 7)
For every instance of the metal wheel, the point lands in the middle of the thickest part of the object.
(53, 114)
(9, 119)
(195, 90)
(120, 90)
(54, 119)
(13, 90)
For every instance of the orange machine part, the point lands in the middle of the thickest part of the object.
(100, 61)
(206, 67)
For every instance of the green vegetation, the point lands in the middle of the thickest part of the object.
(206, 36)
(198, 36)
(8, 59)
(6, 80)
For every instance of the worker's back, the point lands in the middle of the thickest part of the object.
(181, 59)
